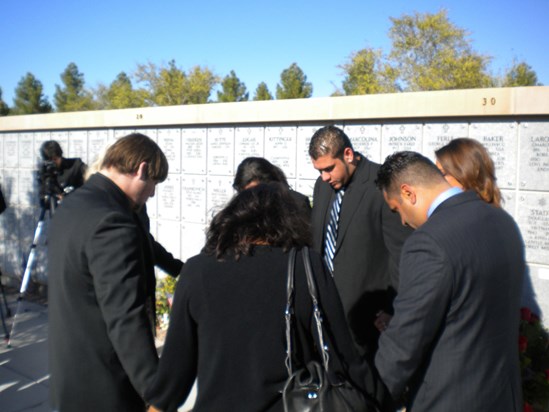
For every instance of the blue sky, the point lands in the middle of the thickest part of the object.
(257, 39)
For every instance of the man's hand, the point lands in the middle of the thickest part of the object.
(382, 320)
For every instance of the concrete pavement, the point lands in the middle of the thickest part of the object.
(24, 376)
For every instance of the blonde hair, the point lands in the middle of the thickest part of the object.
(468, 161)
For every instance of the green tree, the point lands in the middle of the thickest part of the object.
(121, 94)
(431, 53)
(4, 108)
(262, 92)
(199, 85)
(293, 84)
(72, 96)
(233, 89)
(367, 73)
(170, 85)
(29, 97)
(521, 74)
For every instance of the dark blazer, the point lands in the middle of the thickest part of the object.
(453, 339)
(227, 328)
(369, 240)
(303, 203)
(162, 258)
(101, 345)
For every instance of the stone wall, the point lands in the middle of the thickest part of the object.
(205, 143)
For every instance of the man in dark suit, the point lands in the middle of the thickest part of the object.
(452, 343)
(100, 263)
(364, 259)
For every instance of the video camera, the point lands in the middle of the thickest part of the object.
(50, 188)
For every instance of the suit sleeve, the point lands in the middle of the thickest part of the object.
(317, 218)
(117, 269)
(420, 308)
(165, 260)
(344, 357)
(178, 364)
(394, 235)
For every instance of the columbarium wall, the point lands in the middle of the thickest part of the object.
(205, 143)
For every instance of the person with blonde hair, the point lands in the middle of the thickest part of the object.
(466, 163)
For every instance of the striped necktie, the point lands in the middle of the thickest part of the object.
(331, 230)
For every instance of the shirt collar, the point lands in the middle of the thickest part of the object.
(442, 197)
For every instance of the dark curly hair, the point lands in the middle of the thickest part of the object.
(263, 214)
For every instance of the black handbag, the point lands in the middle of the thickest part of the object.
(311, 388)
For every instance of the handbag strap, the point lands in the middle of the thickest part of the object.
(290, 310)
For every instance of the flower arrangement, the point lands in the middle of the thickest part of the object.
(534, 362)
(165, 289)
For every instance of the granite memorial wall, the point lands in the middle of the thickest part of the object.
(204, 155)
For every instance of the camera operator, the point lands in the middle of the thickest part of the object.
(58, 176)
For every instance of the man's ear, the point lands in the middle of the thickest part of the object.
(348, 155)
(142, 171)
(408, 193)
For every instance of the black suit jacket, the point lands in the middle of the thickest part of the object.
(369, 241)
(453, 339)
(101, 345)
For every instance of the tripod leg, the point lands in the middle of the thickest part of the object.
(32, 253)
(28, 268)
(6, 333)
(8, 311)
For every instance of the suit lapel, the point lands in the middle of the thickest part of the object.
(352, 200)
(326, 197)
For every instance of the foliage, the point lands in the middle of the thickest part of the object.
(431, 53)
(521, 74)
(262, 92)
(293, 84)
(170, 85)
(165, 289)
(72, 96)
(4, 108)
(233, 90)
(534, 360)
(367, 73)
(29, 98)
(121, 94)
(200, 82)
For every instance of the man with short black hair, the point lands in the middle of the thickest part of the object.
(359, 238)
(452, 343)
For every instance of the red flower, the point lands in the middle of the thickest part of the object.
(528, 407)
(525, 314)
(523, 344)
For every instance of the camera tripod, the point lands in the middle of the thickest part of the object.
(50, 203)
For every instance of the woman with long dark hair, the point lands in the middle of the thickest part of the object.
(227, 327)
